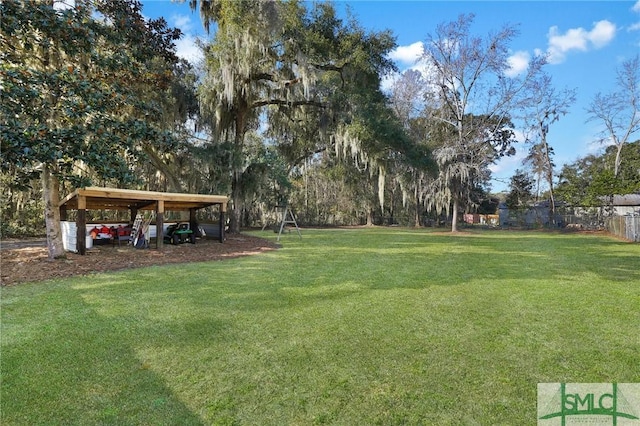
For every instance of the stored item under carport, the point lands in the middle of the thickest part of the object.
(179, 233)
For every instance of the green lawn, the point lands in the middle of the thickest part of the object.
(375, 326)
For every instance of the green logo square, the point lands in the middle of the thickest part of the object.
(591, 404)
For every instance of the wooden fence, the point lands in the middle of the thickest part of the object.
(627, 226)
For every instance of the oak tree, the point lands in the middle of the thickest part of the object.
(299, 72)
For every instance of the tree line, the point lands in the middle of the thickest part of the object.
(583, 183)
(286, 108)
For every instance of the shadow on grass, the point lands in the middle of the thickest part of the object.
(83, 370)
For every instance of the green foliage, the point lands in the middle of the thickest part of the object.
(278, 175)
(20, 207)
(586, 181)
(29, 223)
(87, 91)
(75, 88)
(341, 327)
(520, 190)
(619, 111)
(483, 201)
(312, 76)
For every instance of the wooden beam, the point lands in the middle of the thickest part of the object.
(117, 199)
(69, 197)
(116, 193)
(140, 205)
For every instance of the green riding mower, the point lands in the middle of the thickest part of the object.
(179, 233)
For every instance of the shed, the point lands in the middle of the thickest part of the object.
(96, 198)
(626, 204)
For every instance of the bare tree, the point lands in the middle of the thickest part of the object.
(619, 111)
(407, 95)
(473, 91)
(546, 106)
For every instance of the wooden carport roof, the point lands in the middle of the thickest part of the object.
(96, 198)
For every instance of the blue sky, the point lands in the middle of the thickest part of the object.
(585, 40)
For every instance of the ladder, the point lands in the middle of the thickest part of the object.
(286, 211)
(137, 223)
(143, 234)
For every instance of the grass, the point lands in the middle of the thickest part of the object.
(379, 326)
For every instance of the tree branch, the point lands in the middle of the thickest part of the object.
(259, 76)
(307, 155)
(284, 102)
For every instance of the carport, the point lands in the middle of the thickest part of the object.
(96, 198)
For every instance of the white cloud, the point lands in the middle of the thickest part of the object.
(407, 55)
(387, 82)
(636, 26)
(518, 63)
(406, 58)
(594, 147)
(187, 48)
(578, 39)
(183, 22)
(64, 4)
(602, 33)
(559, 45)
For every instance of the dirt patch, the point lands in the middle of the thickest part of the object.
(29, 262)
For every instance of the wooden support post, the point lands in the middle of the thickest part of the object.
(193, 224)
(160, 224)
(134, 213)
(223, 209)
(63, 213)
(81, 226)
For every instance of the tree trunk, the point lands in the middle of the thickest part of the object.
(552, 201)
(235, 216)
(454, 217)
(171, 177)
(51, 198)
(616, 166)
(417, 212)
(616, 170)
